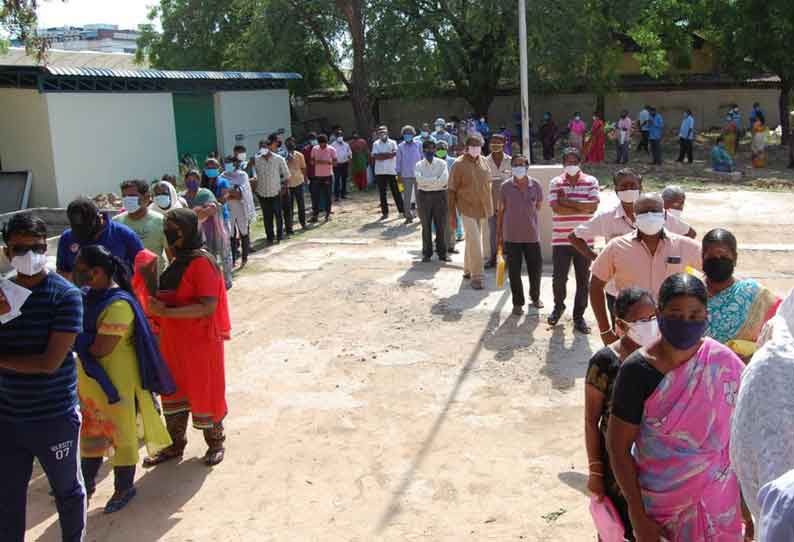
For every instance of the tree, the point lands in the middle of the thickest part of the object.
(18, 18)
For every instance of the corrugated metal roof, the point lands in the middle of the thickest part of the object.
(16, 56)
(166, 74)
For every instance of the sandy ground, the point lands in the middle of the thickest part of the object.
(376, 398)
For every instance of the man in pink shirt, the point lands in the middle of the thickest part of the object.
(323, 157)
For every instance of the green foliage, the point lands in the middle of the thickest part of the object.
(18, 19)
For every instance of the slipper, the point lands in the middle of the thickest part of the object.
(214, 457)
(115, 505)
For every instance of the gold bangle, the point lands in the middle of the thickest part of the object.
(595, 463)
(599, 474)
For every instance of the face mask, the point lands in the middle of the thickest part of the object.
(212, 173)
(441, 153)
(30, 264)
(629, 196)
(675, 212)
(718, 269)
(242, 157)
(572, 171)
(650, 223)
(132, 204)
(171, 237)
(682, 334)
(313, 142)
(429, 155)
(440, 128)
(340, 139)
(519, 172)
(384, 137)
(229, 168)
(577, 117)
(264, 151)
(497, 148)
(82, 278)
(192, 185)
(163, 201)
(425, 134)
(408, 138)
(644, 333)
(474, 152)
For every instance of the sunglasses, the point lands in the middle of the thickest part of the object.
(21, 250)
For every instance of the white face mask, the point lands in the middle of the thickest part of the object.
(384, 137)
(340, 139)
(242, 157)
(572, 171)
(629, 196)
(163, 201)
(131, 203)
(519, 172)
(474, 152)
(644, 333)
(650, 223)
(264, 151)
(30, 264)
(675, 212)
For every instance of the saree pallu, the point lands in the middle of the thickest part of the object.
(740, 312)
(688, 484)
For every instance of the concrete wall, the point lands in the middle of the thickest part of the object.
(708, 106)
(25, 142)
(99, 140)
(248, 116)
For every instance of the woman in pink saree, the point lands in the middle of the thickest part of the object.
(672, 404)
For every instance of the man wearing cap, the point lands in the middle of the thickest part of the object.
(470, 194)
(573, 197)
(90, 227)
(409, 153)
(499, 166)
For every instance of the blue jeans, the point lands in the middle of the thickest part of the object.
(56, 444)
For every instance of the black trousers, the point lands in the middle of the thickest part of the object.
(433, 213)
(548, 150)
(295, 195)
(685, 150)
(313, 195)
(643, 145)
(389, 181)
(516, 254)
(340, 180)
(323, 187)
(562, 257)
(656, 151)
(271, 210)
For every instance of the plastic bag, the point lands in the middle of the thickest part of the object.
(607, 521)
(500, 268)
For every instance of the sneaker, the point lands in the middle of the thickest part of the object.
(555, 316)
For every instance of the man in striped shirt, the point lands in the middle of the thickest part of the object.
(573, 197)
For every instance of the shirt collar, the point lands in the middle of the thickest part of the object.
(637, 234)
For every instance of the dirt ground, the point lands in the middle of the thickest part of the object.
(376, 398)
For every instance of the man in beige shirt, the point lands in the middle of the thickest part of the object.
(470, 195)
(500, 166)
(296, 163)
(644, 258)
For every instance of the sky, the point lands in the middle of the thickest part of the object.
(125, 13)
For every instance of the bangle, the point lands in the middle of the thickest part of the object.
(605, 332)
(596, 463)
(599, 474)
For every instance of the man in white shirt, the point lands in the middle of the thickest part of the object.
(270, 181)
(384, 158)
(500, 167)
(431, 179)
(342, 167)
(644, 122)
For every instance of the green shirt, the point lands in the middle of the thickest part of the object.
(151, 231)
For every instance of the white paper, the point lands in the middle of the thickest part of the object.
(16, 296)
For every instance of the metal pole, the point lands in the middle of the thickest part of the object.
(522, 44)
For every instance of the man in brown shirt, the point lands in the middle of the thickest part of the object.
(470, 195)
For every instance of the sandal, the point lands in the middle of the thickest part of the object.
(214, 457)
(162, 456)
(115, 505)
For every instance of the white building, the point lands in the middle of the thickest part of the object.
(105, 38)
(81, 131)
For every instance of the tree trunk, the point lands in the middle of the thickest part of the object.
(359, 80)
(480, 104)
(783, 104)
(601, 105)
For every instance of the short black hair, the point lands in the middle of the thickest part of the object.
(272, 138)
(82, 207)
(238, 148)
(429, 143)
(626, 172)
(720, 236)
(628, 297)
(680, 285)
(24, 224)
(229, 159)
(322, 138)
(141, 185)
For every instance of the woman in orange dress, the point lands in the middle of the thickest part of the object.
(596, 145)
(194, 322)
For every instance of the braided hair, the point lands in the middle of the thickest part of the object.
(99, 256)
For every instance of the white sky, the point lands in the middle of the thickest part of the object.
(128, 14)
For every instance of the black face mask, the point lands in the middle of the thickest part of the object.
(718, 269)
(171, 237)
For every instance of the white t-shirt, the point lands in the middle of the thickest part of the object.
(385, 167)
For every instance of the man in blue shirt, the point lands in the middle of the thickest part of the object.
(90, 227)
(409, 153)
(644, 119)
(686, 137)
(655, 131)
(39, 416)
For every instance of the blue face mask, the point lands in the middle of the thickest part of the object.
(682, 334)
(212, 173)
(229, 168)
(408, 138)
(429, 155)
(163, 201)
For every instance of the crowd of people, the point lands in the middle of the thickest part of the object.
(126, 339)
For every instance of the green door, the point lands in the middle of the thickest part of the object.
(194, 115)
